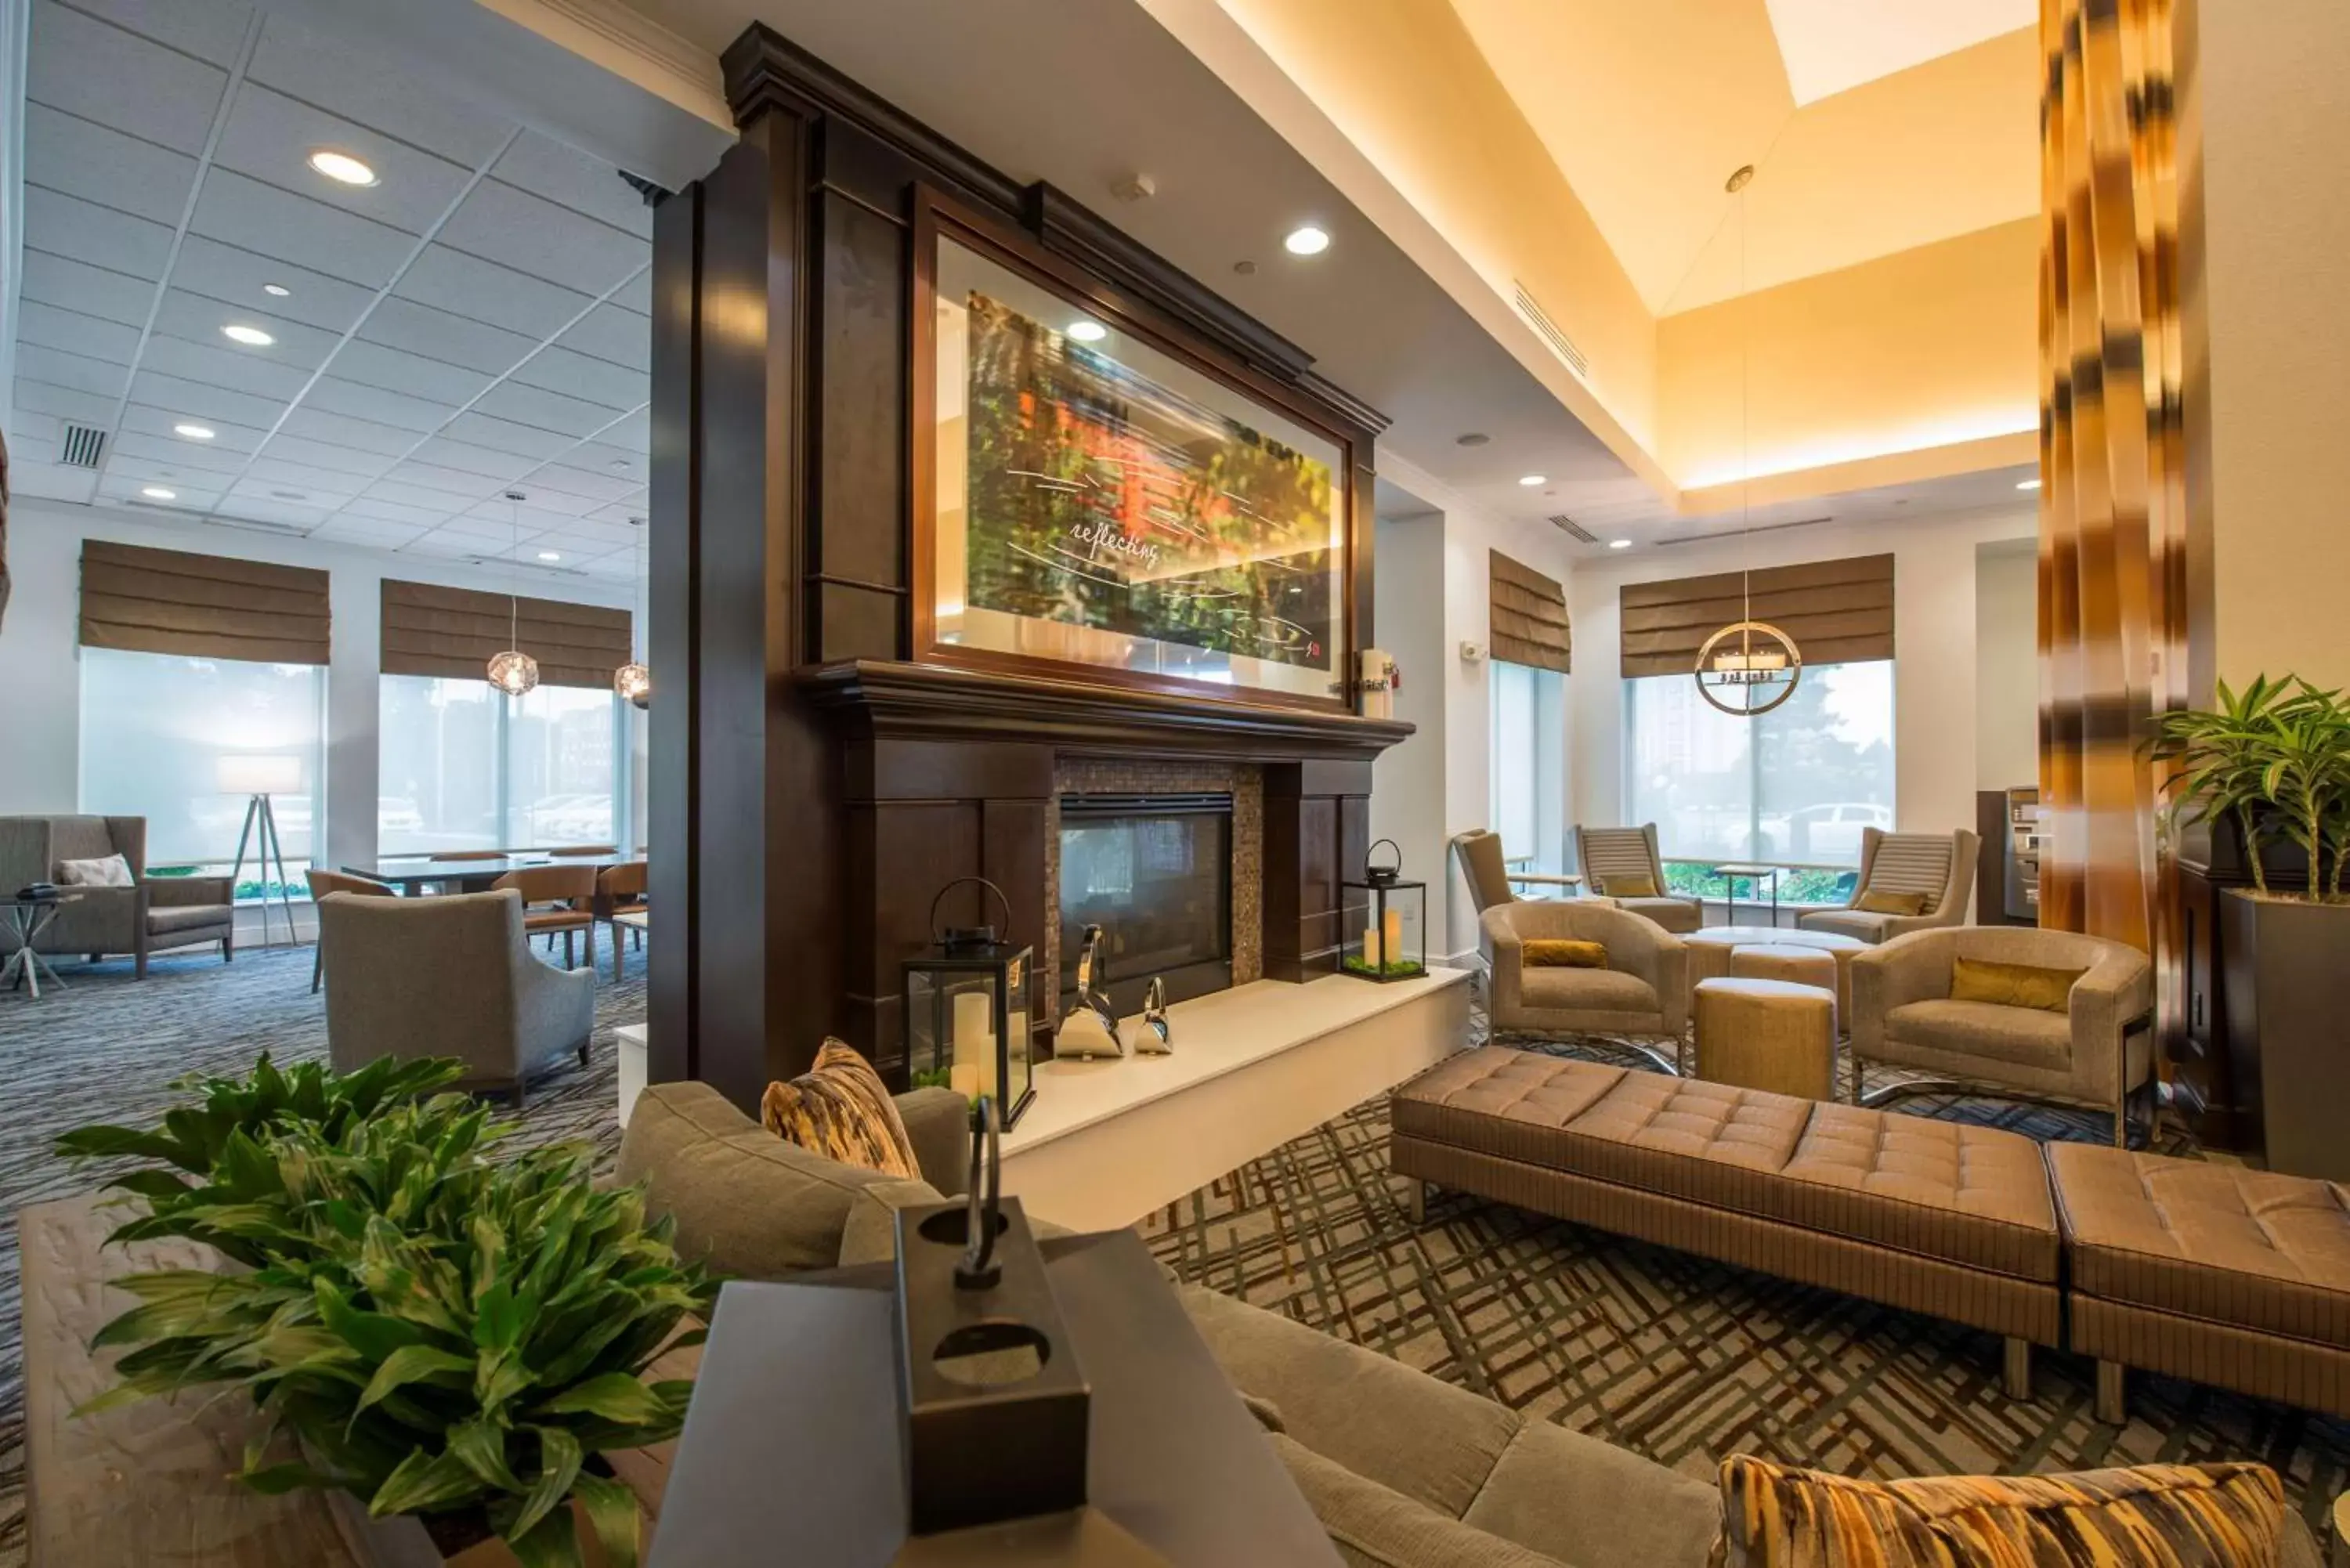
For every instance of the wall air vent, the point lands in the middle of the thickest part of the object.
(1560, 343)
(82, 447)
(1572, 529)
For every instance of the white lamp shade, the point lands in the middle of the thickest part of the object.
(259, 776)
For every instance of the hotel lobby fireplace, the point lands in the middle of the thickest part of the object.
(1155, 872)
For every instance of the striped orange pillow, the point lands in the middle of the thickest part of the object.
(840, 1109)
(2148, 1516)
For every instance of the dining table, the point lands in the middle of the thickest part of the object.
(413, 873)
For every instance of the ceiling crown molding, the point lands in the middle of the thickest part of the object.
(691, 73)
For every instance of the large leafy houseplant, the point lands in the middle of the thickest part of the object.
(2274, 759)
(444, 1332)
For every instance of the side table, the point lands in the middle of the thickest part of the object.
(27, 919)
(1754, 876)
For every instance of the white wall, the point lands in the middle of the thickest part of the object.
(2007, 664)
(1934, 681)
(40, 652)
(1407, 781)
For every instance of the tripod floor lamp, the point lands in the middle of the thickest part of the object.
(257, 778)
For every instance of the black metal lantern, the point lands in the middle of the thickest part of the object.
(967, 1009)
(1393, 946)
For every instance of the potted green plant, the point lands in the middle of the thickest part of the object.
(2272, 763)
(449, 1337)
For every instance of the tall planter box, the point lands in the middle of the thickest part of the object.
(2288, 1030)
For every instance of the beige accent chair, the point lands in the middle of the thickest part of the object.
(1940, 866)
(452, 976)
(2094, 1053)
(155, 914)
(1643, 990)
(324, 882)
(1483, 868)
(1606, 853)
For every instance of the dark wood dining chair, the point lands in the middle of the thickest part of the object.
(324, 882)
(620, 889)
(557, 899)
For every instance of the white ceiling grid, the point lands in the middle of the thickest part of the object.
(474, 322)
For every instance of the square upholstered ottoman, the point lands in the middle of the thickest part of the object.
(2228, 1276)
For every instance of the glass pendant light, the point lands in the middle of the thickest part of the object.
(633, 680)
(514, 672)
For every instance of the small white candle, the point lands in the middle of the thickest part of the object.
(1371, 947)
(963, 1081)
(974, 1039)
(1391, 937)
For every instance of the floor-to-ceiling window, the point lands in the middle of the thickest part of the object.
(156, 728)
(1528, 772)
(466, 767)
(1797, 784)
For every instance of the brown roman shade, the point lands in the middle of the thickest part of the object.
(1527, 616)
(454, 632)
(1837, 611)
(207, 606)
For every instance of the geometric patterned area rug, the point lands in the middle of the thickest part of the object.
(1678, 1358)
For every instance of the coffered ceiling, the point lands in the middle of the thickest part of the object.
(474, 322)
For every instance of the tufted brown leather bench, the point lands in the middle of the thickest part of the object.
(1934, 1217)
(2234, 1277)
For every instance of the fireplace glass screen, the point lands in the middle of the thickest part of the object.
(1155, 874)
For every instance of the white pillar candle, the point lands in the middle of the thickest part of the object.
(974, 1039)
(1371, 947)
(963, 1081)
(1391, 937)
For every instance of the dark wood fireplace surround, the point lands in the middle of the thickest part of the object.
(815, 783)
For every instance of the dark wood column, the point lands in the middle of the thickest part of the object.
(1317, 819)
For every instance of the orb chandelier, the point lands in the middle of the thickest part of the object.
(514, 672)
(1748, 667)
(632, 681)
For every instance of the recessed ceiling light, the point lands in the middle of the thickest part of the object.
(2029, 485)
(1088, 331)
(289, 495)
(158, 492)
(1619, 544)
(549, 555)
(195, 432)
(341, 167)
(1474, 438)
(275, 290)
(1308, 241)
(1531, 480)
(619, 462)
(251, 337)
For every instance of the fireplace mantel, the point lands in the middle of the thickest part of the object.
(939, 702)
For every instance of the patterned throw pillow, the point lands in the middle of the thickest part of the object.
(840, 1109)
(1559, 952)
(1638, 884)
(2014, 984)
(107, 871)
(1874, 902)
(2150, 1516)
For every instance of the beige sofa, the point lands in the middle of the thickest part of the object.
(155, 914)
(1940, 866)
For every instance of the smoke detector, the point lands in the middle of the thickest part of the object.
(1135, 188)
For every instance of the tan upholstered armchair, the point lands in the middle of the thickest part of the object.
(2094, 1052)
(1643, 990)
(451, 976)
(1940, 866)
(1611, 856)
(153, 915)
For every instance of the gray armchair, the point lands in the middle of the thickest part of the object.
(2094, 1053)
(1941, 866)
(451, 976)
(153, 915)
(1608, 855)
(1643, 990)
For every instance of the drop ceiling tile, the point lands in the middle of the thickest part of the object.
(598, 487)
(51, 482)
(454, 480)
(82, 158)
(271, 136)
(618, 565)
(65, 226)
(547, 411)
(588, 536)
(484, 291)
(633, 433)
(247, 371)
(503, 435)
(345, 528)
(481, 529)
(322, 67)
(296, 484)
(36, 363)
(203, 400)
(318, 455)
(254, 501)
(63, 402)
(100, 72)
(393, 511)
(373, 365)
(598, 457)
(416, 328)
(74, 333)
(236, 276)
(336, 396)
(34, 437)
(545, 166)
(619, 512)
(608, 332)
(501, 466)
(416, 495)
(385, 441)
(234, 210)
(516, 229)
(149, 470)
(635, 295)
(188, 500)
(195, 456)
(596, 380)
(210, 30)
(453, 547)
(143, 419)
(92, 290)
(542, 509)
(199, 320)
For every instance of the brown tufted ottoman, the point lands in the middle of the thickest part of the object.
(1934, 1217)
(2234, 1277)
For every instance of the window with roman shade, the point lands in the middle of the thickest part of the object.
(135, 600)
(454, 632)
(1838, 612)
(1527, 616)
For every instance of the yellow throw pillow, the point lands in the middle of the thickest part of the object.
(1558, 952)
(1636, 886)
(2151, 1516)
(840, 1109)
(1874, 902)
(2014, 984)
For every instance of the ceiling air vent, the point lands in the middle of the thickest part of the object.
(1572, 529)
(1560, 343)
(82, 446)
